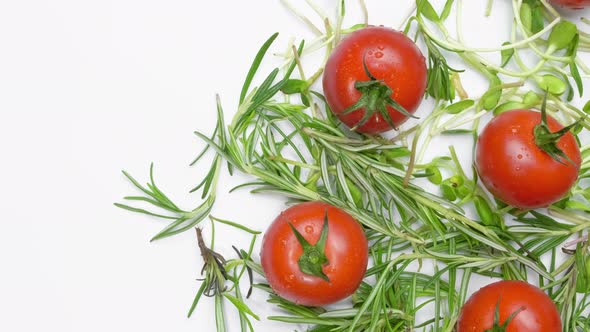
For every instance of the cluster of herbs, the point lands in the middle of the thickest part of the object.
(282, 138)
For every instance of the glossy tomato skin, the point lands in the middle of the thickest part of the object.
(573, 4)
(391, 57)
(538, 312)
(515, 170)
(346, 250)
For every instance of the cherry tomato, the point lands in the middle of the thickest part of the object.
(346, 254)
(521, 307)
(516, 170)
(573, 4)
(398, 71)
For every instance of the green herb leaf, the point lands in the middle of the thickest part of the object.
(506, 54)
(448, 191)
(459, 106)
(426, 9)
(446, 10)
(562, 35)
(531, 99)
(493, 95)
(572, 52)
(551, 84)
(509, 105)
(294, 86)
(484, 211)
(526, 15)
(435, 175)
(255, 65)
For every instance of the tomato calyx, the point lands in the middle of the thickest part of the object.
(502, 328)
(375, 97)
(314, 257)
(547, 140)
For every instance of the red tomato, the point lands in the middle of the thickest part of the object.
(573, 4)
(515, 170)
(392, 59)
(533, 310)
(346, 250)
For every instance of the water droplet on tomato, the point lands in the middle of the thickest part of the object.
(381, 47)
(309, 229)
(370, 52)
(519, 156)
(514, 130)
(378, 55)
(291, 277)
(517, 169)
(283, 243)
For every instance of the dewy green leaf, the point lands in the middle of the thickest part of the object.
(562, 35)
(506, 54)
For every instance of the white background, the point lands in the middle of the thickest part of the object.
(88, 88)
